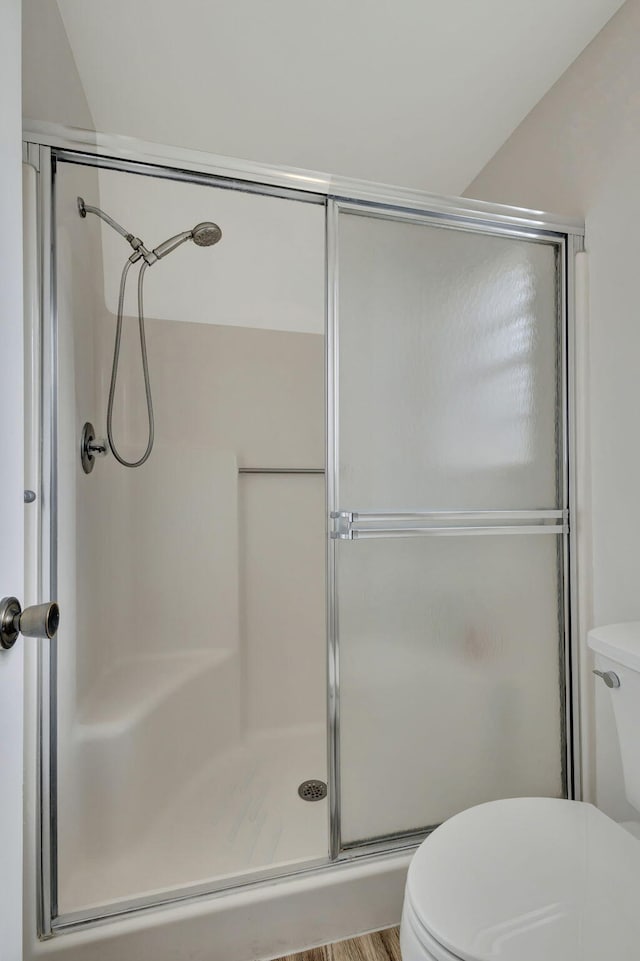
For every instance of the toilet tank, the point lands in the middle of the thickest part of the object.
(617, 649)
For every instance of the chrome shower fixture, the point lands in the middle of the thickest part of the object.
(84, 209)
(203, 235)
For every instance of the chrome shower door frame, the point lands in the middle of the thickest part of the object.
(44, 145)
(346, 525)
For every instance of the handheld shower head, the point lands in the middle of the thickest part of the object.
(165, 248)
(204, 235)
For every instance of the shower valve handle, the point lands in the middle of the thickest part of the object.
(41, 620)
(610, 678)
(98, 448)
(91, 447)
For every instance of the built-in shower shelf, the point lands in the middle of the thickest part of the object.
(138, 686)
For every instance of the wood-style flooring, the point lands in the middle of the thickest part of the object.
(379, 946)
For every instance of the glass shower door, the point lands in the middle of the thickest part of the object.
(449, 512)
(187, 684)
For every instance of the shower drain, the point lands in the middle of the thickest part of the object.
(312, 790)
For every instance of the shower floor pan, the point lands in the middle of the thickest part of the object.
(240, 813)
(162, 785)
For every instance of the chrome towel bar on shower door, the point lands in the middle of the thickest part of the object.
(351, 525)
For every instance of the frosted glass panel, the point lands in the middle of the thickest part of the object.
(449, 677)
(448, 368)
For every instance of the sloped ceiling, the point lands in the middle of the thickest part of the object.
(419, 93)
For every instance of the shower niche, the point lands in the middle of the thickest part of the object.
(340, 571)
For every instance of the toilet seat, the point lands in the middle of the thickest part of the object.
(524, 879)
(417, 943)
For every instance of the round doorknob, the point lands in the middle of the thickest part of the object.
(40, 620)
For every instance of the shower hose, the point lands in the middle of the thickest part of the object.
(145, 367)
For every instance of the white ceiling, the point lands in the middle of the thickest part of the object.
(419, 93)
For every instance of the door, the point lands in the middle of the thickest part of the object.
(450, 518)
(11, 479)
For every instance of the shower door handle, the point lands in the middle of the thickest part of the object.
(40, 620)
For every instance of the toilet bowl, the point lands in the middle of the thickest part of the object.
(537, 879)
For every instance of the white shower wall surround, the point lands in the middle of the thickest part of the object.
(261, 235)
(191, 694)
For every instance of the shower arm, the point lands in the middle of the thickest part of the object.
(139, 249)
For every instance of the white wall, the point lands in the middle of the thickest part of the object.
(11, 477)
(577, 152)
(413, 93)
(278, 244)
(241, 376)
(51, 85)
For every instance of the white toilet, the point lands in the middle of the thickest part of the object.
(537, 879)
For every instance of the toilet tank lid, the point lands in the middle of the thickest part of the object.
(620, 642)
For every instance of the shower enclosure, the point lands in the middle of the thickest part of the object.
(343, 570)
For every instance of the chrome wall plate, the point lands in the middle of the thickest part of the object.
(90, 447)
